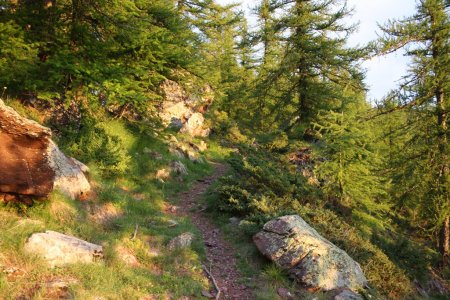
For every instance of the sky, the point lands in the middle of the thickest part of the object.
(382, 73)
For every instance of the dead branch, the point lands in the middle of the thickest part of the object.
(213, 280)
(135, 231)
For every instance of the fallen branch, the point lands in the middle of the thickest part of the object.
(135, 232)
(213, 280)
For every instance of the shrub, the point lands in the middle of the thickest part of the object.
(93, 144)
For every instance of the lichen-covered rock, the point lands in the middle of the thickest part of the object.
(179, 168)
(345, 294)
(59, 249)
(32, 163)
(182, 241)
(311, 259)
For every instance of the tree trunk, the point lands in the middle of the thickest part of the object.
(443, 176)
(437, 47)
(444, 240)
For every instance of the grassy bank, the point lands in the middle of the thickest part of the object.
(122, 202)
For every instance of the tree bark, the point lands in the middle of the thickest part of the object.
(444, 240)
(437, 48)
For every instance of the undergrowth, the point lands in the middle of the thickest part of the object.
(262, 185)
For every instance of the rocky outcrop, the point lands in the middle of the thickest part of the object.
(309, 258)
(31, 163)
(183, 110)
(59, 249)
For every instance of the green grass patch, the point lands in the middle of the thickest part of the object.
(133, 197)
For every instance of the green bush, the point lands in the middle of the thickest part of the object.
(93, 144)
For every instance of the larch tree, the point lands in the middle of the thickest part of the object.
(316, 59)
(424, 92)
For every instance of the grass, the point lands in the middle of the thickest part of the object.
(135, 198)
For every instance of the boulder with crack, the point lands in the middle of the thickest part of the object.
(32, 164)
(309, 258)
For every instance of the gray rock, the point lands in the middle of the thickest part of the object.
(234, 220)
(59, 249)
(346, 294)
(179, 168)
(311, 259)
(69, 173)
(182, 241)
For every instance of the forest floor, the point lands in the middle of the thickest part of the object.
(221, 261)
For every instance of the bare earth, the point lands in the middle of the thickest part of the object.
(220, 254)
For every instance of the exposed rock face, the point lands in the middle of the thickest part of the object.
(31, 162)
(69, 173)
(183, 110)
(59, 249)
(311, 259)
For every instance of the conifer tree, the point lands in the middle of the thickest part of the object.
(118, 49)
(315, 57)
(349, 169)
(425, 179)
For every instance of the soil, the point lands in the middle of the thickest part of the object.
(220, 254)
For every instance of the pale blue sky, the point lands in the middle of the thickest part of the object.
(382, 73)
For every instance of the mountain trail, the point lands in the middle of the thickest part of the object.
(221, 262)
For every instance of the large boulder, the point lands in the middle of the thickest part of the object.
(59, 249)
(183, 110)
(309, 258)
(32, 163)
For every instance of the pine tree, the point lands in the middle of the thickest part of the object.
(425, 36)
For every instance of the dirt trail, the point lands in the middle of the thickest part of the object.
(219, 252)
